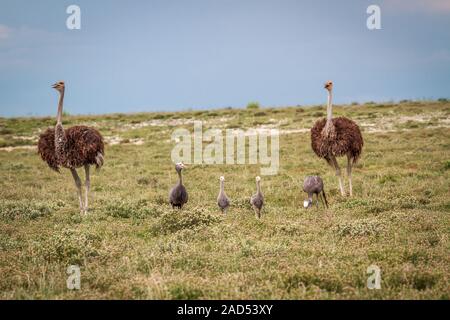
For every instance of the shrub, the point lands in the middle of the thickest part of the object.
(260, 114)
(139, 209)
(26, 210)
(172, 222)
(358, 228)
(69, 246)
(327, 283)
(447, 165)
(182, 292)
(143, 181)
(423, 281)
(253, 105)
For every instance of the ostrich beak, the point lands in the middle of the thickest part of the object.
(54, 85)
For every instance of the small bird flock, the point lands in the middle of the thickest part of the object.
(82, 146)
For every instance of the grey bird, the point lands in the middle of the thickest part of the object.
(257, 200)
(222, 200)
(178, 195)
(314, 185)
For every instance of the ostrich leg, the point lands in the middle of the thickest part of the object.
(88, 187)
(78, 184)
(258, 213)
(320, 196)
(349, 173)
(338, 174)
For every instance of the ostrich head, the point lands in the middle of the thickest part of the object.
(328, 85)
(59, 86)
(179, 166)
(307, 203)
(258, 179)
(222, 178)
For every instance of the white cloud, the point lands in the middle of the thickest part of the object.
(5, 32)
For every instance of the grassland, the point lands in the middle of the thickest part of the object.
(132, 245)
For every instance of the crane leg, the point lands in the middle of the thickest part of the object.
(349, 173)
(338, 174)
(88, 187)
(78, 184)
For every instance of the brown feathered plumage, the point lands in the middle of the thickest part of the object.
(337, 137)
(84, 146)
(345, 139)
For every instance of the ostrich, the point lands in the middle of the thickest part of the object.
(257, 200)
(222, 200)
(178, 195)
(314, 185)
(336, 137)
(76, 147)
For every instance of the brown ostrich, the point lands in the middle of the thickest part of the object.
(337, 137)
(76, 147)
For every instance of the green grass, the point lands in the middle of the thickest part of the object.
(132, 245)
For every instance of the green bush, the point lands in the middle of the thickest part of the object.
(253, 105)
(182, 292)
(69, 246)
(174, 221)
(138, 209)
(447, 165)
(260, 114)
(358, 228)
(26, 210)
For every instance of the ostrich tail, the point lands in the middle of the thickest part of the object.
(99, 160)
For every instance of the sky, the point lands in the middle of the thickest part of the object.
(167, 55)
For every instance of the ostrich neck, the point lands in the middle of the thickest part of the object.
(221, 187)
(60, 108)
(329, 126)
(329, 107)
(258, 187)
(180, 177)
(60, 136)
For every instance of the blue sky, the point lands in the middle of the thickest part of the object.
(155, 55)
